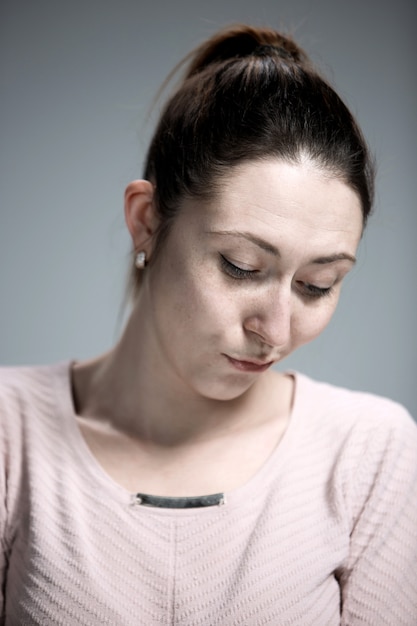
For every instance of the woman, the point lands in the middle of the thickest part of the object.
(178, 479)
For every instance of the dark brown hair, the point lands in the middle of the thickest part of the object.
(249, 94)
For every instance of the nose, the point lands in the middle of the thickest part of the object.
(270, 318)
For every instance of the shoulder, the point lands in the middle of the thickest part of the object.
(367, 445)
(30, 418)
(30, 377)
(29, 403)
(371, 442)
(26, 390)
(366, 436)
(352, 410)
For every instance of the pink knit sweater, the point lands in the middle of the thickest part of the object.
(324, 534)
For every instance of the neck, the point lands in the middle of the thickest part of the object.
(132, 390)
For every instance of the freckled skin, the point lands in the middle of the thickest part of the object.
(199, 312)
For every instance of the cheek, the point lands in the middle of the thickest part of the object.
(194, 299)
(309, 322)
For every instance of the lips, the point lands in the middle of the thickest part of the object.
(252, 365)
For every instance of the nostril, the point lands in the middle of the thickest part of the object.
(272, 329)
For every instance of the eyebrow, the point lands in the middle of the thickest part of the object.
(264, 245)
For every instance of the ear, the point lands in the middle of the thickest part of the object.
(140, 214)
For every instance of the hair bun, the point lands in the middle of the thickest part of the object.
(245, 41)
(268, 50)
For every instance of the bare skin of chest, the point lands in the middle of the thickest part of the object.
(217, 465)
(203, 462)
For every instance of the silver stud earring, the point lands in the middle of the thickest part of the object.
(140, 260)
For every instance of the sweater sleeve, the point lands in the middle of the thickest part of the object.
(3, 508)
(10, 475)
(3, 560)
(379, 581)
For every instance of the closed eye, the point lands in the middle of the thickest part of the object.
(308, 290)
(235, 271)
(313, 291)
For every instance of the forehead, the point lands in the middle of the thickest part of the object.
(302, 191)
(277, 201)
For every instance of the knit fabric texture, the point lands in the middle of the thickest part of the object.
(324, 534)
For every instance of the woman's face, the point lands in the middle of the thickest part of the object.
(248, 277)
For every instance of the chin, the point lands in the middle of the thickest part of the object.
(225, 391)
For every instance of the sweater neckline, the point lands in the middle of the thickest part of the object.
(258, 484)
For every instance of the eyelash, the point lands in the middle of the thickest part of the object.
(236, 272)
(314, 293)
(309, 291)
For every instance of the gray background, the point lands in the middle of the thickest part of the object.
(77, 82)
